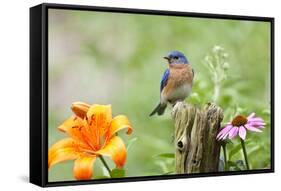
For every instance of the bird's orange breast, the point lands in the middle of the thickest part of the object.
(180, 75)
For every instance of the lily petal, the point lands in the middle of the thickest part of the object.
(77, 128)
(65, 149)
(242, 132)
(116, 150)
(83, 167)
(118, 123)
(99, 118)
(80, 109)
(70, 123)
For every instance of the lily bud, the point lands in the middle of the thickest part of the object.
(80, 109)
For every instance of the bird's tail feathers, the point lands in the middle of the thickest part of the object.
(159, 109)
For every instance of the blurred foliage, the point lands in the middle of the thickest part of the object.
(116, 59)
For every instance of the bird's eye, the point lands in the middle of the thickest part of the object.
(176, 57)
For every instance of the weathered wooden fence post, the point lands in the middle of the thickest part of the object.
(197, 149)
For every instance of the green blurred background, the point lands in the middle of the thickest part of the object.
(114, 58)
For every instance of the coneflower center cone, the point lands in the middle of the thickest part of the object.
(239, 120)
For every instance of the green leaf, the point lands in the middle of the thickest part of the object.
(253, 150)
(266, 111)
(231, 163)
(232, 166)
(165, 155)
(237, 165)
(131, 142)
(117, 173)
(167, 173)
(240, 164)
(102, 177)
(234, 151)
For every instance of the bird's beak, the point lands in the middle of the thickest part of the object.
(167, 58)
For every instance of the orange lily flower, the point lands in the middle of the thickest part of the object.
(92, 133)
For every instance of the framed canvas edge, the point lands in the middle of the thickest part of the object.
(35, 98)
(42, 178)
(156, 12)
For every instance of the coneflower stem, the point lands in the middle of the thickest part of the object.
(105, 164)
(245, 153)
(224, 157)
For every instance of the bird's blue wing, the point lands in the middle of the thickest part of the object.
(165, 78)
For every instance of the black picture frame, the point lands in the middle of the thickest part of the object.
(39, 91)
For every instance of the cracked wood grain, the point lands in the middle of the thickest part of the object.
(197, 150)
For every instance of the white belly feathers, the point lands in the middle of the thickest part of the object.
(179, 94)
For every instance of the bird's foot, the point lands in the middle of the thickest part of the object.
(175, 106)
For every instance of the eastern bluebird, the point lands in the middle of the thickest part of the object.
(176, 83)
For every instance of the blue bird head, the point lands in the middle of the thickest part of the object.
(176, 57)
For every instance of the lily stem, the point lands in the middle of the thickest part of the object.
(105, 164)
(224, 157)
(245, 153)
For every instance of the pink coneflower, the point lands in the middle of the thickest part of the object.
(239, 126)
